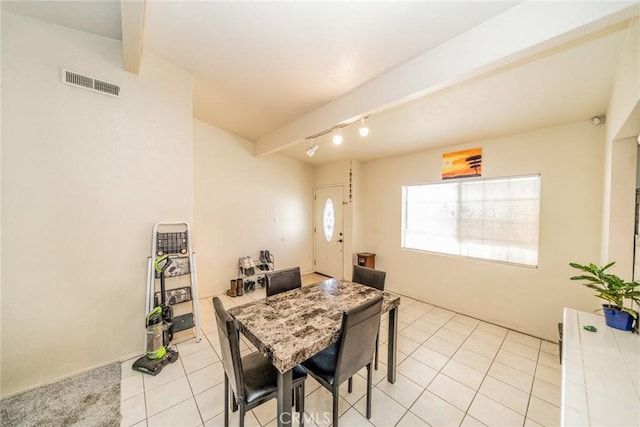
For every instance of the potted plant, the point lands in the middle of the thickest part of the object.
(615, 291)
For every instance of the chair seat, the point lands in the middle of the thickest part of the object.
(261, 377)
(323, 364)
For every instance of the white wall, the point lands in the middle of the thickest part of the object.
(525, 299)
(84, 178)
(623, 125)
(244, 204)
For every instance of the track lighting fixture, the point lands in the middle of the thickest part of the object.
(336, 131)
(312, 150)
(337, 136)
(364, 130)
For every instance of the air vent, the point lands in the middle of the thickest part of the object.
(86, 82)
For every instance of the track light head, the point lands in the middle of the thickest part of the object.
(364, 130)
(337, 137)
(311, 151)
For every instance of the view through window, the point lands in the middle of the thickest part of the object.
(489, 218)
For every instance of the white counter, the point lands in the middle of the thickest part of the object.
(600, 373)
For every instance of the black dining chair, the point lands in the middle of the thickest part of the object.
(253, 379)
(283, 280)
(353, 351)
(372, 278)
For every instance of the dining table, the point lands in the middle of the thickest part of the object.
(290, 327)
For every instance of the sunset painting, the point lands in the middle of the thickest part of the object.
(462, 164)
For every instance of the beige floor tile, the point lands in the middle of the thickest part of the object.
(524, 339)
(406, 345)
(133, 411)
(414, 310)
(511, 376)
(491, 413)
(379, 374)
(461, 328)
(442, 312)
(465, 320)
(211, 402)
(450, 335)
(319, 405)
(167, 395)
(436, 411)
(383, 350)
(201, 359)
(492, 329)
(487, 336)
(547, 391)
(411, 420)
(452, 391)
(426, 326)
(550, 347)
(353, 418)
(549, 374)
(516, 361)
(463, 374)
(205, 378)
(170, 372)
(505, 394)
(404, 391)
(359, 389)
(131, 386)
(430, 357)
(521, 349)
(441, 346)
(485, 348)
(528, 422)
(384, 410)
(250, 420)
(472, 359)
(310, 385)
(415, 334)
(416, 371)
(549, 359)
(191, 346)
(125, 368)
(268, 411)
(543, 412)
(183, 414)
(469, 421)
(434, 319)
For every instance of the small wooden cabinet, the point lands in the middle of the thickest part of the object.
(366, 259)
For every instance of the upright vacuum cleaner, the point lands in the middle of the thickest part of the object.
(159, 326)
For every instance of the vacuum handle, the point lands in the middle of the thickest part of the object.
(163, 258)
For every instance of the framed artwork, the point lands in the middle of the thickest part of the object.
(462, 164)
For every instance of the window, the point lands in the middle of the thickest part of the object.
(328, 220)
(492, 218)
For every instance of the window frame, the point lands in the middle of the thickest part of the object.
(460, 182)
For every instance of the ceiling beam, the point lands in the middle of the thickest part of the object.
(132, 13)
(525, 30)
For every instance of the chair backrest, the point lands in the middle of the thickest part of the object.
(283, 280)
(230, 346)
(358, 338)
(369, 277)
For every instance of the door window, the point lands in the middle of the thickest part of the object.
(329, 220)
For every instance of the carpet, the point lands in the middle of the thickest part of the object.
(89, 399)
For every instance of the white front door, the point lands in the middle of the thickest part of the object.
(328, 231)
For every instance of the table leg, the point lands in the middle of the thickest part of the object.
(285, 387)
(391, 345)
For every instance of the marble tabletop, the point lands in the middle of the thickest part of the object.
(292, 326)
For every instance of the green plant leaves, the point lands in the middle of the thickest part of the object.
(609, 287)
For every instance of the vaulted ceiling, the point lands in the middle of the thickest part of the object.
(424, 73)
